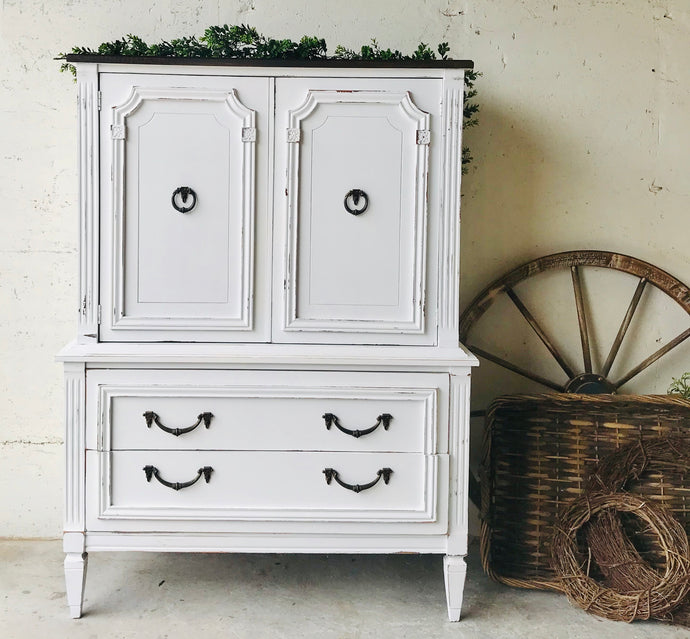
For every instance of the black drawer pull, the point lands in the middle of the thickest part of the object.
(152, 418)
(358, 488)
(152, 471)
(331, 419)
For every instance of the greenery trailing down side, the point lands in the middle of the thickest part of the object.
(470, 111)
(680, 386)
(245, 42)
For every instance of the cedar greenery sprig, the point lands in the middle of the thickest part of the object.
(245, 42)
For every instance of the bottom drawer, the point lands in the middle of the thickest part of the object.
(270, 486)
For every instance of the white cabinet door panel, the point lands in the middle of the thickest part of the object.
(357, 263)
(176, 273)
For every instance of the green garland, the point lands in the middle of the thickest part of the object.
(245, 42)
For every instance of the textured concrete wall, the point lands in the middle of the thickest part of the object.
(584, 142)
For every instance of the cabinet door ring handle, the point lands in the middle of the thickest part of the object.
(184, 193)
(355, 195)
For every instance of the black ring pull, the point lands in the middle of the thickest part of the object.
(184, 192)
(358, 488)
(332, 419)
(152, 471)
(152, 418)
(356, 195)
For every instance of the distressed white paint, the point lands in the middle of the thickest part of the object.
(454, 571)
(273, 472)
(75, 578)
(583, 143)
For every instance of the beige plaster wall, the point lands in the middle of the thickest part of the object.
(584, 142)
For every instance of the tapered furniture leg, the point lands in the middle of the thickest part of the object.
(75, 577)
(454, 572)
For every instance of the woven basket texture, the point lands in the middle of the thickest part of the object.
(539, 452)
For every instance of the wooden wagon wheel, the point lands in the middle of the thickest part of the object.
(584, 379)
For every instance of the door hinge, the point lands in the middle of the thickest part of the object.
(98, 315)
(100, 99)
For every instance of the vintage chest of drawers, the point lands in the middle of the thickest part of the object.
(267, 355)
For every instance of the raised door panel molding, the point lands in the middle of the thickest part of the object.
(183, 193)
(357, 164)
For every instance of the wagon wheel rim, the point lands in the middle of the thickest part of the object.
(588, 380)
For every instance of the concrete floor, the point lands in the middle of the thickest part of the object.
(170, 596)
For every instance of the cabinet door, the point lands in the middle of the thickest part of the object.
(184, 208)
(355, 241)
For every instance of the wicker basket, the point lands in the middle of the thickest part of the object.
(539, 452)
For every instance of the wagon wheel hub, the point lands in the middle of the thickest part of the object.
(590, 384)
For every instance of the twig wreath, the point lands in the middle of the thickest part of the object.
(665, 460)
(657, 599)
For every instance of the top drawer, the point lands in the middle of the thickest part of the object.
(266, 410)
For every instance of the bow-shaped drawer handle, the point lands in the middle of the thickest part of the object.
(152, 471)
(358, 488)
(331, 419)
(152, 418)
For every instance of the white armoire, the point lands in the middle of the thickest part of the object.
(267, 356)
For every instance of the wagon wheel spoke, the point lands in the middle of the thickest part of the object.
(539, 331)
(581, 318)
(624, 327)
(516, 369)
(652, 358)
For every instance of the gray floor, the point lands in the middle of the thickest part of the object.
(166, 596)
